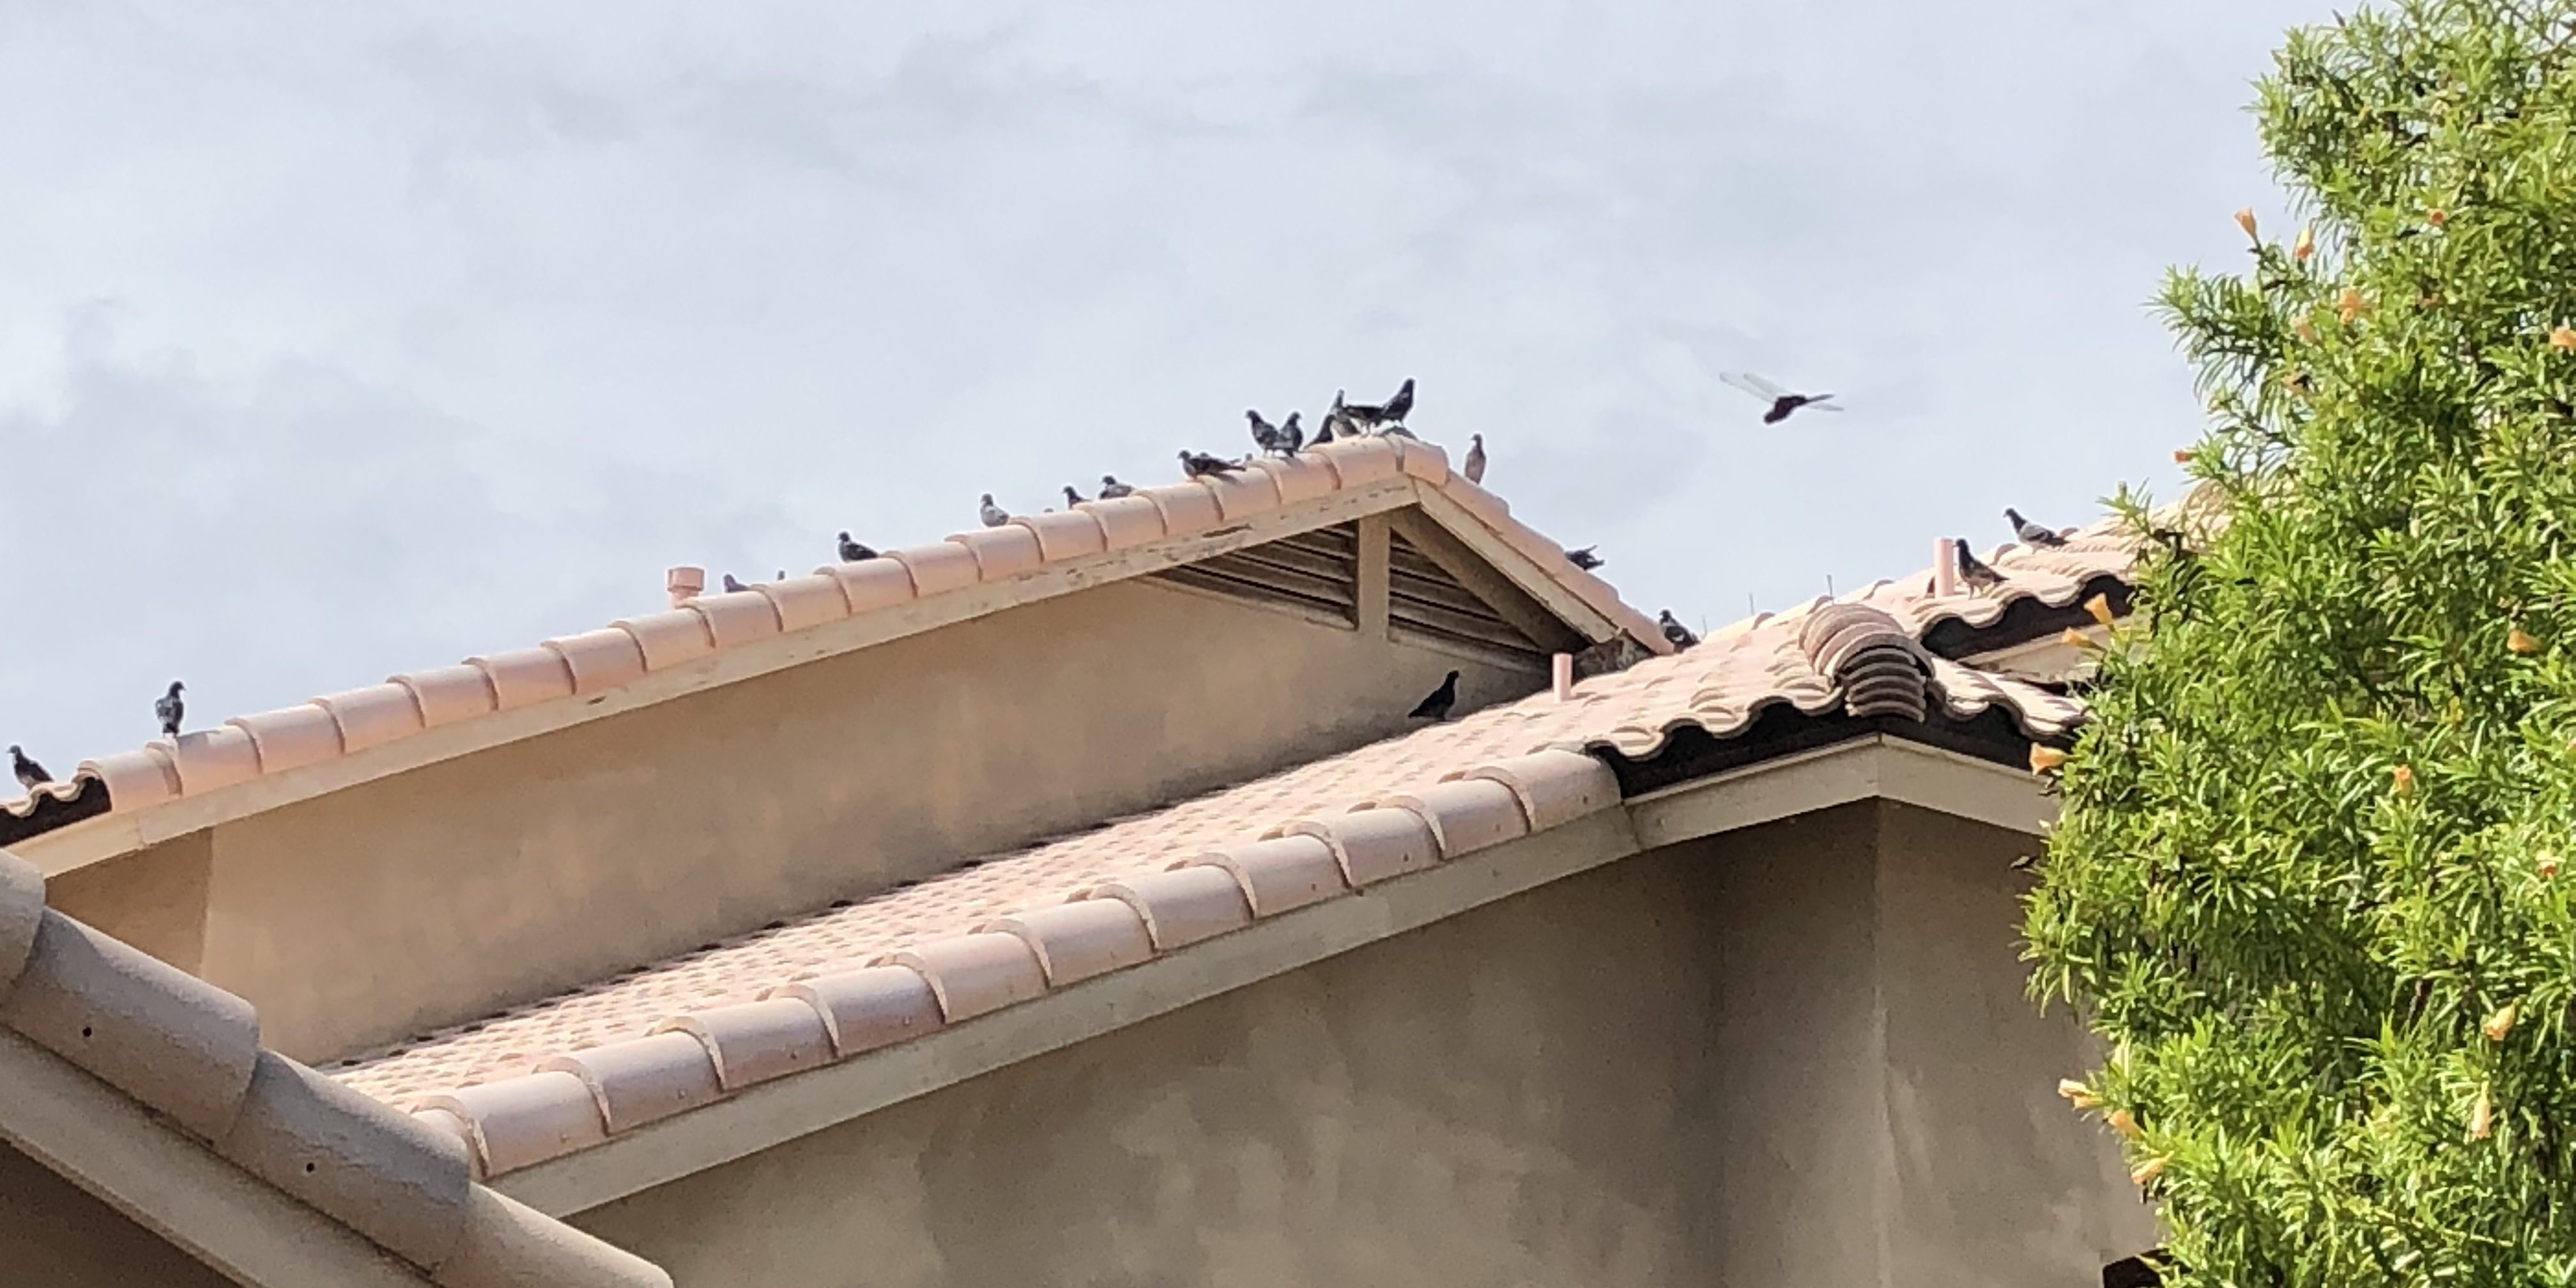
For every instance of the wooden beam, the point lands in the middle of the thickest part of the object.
(1553, 625)
(1373, 576)
(248, 1230)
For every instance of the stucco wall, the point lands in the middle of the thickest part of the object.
(445, 893)
(53, 1234)
(1795, 1057)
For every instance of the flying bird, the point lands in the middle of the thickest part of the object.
(170, 709)
(1111, 489)
(1474, 469)
(1200, 465)
(1584, 558)
(733, 585)
(1973, 570)
(30, 774)
(1071, 497)
(1436, 707)
(994, 516)
(853, 552)
(1674, 631)
(1782, 401)
(2031, 534)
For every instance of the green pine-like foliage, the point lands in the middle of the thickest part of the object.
(2308, 880)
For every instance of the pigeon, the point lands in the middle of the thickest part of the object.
(1071, 497)
(1674, 631)
(1324, 433)
(782, 575)
(1973, 570)
(1782, 401)
(1291, 435)
(1111, 489)
(733, 585)
(1583, 559)
(1200, 465)
(1436, 707)
(1401, 405)
(1264, 434)
(170, 709)
(1363, 417)
(30, 774)
(853, 552)
(1474, 469)
(994, 515)
(2031, 534)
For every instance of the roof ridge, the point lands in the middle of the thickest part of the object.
(190, 1052)
(589, 663)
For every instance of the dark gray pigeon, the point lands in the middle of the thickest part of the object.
(1200, 465)
(30, 774)
(1291, 436)
(1583, 559)
(1111, 489)
(1264, 434)
(1973, 570)
(1674, 631)
(2029, 533)
(994, 516)
(170, 709)
(733, 585)
(1474, 468)
(1071, 497)
(1437, 706)
(1367, 417)
(853, 552)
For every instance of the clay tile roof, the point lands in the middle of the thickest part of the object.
(582, 665)
(560, 1075)
(190, 1052)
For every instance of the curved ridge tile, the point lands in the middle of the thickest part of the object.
(291, 737)
(144, 776)
(1301, 477)
(448, 694)
(1128, 521)
(508, 1244)
(22, 913)
(600, 660)
(1065, 534)
(752, 1042)
(871, 584)
(1243, 494)
(1488, 508)
(210, 758)
(736, 617)
(373, 716)
(1076, 941)
(148, 1029)
(1188, 509)
(973, 974)
(669, 638)
(383, 1174)
(1468, 814)
(524, 677)
(1181, 906)
(1555, 787)
(1279, 875)
(937, 568)
(1006, 551)
(523, 1121)
(874, 1007)
(1371, 844)
(644, 1079)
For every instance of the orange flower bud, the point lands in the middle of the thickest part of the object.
(2073, 638)
(2435, 217)
(2305, 246)
(2304, 329)
(2044, 758)
(2521, 642)
(2404, 780)
(2146, 1171)
(2100, 607)
(2245, 220)
(2563, 338)
(2078, 1094)
(2182, 456)
(2548, 866)
(2121, 1122)
(2348, 305)
(2482, 1114)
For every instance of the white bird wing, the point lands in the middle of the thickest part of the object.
(1822, 406)
(1753, 384)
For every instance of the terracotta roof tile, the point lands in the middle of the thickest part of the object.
(631, 648)
(1006, 928)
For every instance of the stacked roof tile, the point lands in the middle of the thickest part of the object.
(557, 1076)
(560, 669)
(190, 1052)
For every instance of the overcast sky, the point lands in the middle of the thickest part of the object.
(344, 339)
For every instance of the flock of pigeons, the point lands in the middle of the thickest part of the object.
(1344, 419)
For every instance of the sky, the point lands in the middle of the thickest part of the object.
(341, 340)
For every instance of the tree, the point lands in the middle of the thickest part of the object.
(2308, 877)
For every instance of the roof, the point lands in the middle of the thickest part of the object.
(553, 1077)
(189, 1052)
(568, 672)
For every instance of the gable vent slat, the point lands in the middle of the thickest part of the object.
(1313, 573)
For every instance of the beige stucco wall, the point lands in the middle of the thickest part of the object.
(1795, 1057)
(53, 1234)
(448, 892)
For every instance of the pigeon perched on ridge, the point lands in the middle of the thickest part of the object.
(1200, 465)
(733, 585)
(1438, 705)
(1264, 434)
(1474, 468)
(2029, 533)
(1782, 401)
(170, 709)
(1111, 489)
(1365, 417)
(1584, 558)
(1071, 497)
(853, 552)
(1679, 635)
(1324, 432)
(1291, 436)
(1973, 570)
(30, 774)
(994, 516)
